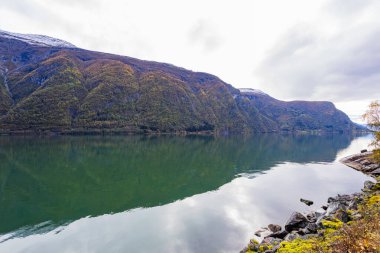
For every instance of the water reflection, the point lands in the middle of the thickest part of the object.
(64, 179)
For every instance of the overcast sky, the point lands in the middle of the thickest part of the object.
(291, 49)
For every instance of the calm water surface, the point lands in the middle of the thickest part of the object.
(162, 194)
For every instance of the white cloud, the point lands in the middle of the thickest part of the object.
(342, 67)
(205, 34)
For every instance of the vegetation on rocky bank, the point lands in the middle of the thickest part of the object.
(348, 224)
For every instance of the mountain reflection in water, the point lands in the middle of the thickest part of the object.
(59, 180)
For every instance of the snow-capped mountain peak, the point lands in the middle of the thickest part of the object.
(37, 40)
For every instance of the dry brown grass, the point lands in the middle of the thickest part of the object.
(361, 235)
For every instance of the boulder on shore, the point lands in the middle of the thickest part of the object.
(307, 202)
(296, 221)
(274, 228)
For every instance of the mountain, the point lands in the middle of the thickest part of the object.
(294, 115)
(49, 85)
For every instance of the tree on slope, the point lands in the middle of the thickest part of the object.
(372, 116)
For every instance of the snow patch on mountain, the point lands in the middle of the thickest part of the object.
(252, 91)
(37, 40)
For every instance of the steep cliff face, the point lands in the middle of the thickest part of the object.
(58, 87)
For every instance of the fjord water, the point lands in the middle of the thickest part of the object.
(162, 194)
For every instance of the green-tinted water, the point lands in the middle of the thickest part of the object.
(63, 179)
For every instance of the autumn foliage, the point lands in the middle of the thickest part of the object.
(372, 116)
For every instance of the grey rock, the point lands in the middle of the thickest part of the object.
(319, 213)
(343, 199)
(262, 232)
(354, 203)
(370, 167)
(307, 202)
(271, 241)
(312, 216)
(368, 185)
(342, 215)
(376, 172)
(274, 228)
(279, 234)
(363, 151)
(335, 206)
(292, 236)
(311, 228)
(295, 222)
(365, 162)
(301, 231)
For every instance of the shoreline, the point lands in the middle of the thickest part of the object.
(157, 132)
(304, 231)
(362, 162)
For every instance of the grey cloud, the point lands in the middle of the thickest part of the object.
(48, 18)
(348, 8)
(86, 4)
(206, 35)
(342, 67)
(28, 8)
(44, 16)
(33, 11)
(74, 2)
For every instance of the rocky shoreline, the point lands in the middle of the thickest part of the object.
(300, 229)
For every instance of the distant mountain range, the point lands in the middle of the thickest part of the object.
(49, 85)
